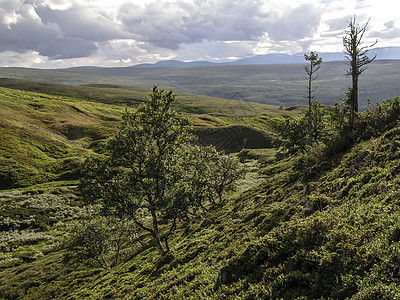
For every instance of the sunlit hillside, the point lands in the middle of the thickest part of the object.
(323, 224)
(47, 129)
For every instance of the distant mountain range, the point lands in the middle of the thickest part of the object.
(381, 53)
(277, 79)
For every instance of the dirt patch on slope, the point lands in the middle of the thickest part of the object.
(233, 138)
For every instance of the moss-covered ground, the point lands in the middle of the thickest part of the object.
(283, 235)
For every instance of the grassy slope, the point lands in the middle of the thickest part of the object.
(257, 243)
(131, 96)
(43, 137)
(347, 249)
(46, 129)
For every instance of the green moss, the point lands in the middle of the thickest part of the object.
(334, 237)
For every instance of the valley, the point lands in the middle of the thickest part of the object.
(276, 84)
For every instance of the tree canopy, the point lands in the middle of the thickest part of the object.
(152, 174)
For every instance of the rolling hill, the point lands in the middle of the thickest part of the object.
(46, 129)
(276, 84)
(273, 58)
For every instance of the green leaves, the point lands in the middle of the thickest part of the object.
(152, 173)
(207, 175)
(295, 134)
(101, 239)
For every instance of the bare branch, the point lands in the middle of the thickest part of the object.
(357, 58)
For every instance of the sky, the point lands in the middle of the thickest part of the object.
(117, 33)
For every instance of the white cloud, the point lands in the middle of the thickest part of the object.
(27, 59)
(121, 32)
(170, 25)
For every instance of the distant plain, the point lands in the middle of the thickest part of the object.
(282, 84)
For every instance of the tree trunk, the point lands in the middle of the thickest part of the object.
(155, 232)
(157, 240)
(354, 99)
(173, 227)
(355, 93)
(354, 77)
(309, 107)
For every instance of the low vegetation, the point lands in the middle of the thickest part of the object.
(320, 223)
(44, 137)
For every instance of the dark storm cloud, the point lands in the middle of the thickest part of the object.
(170, 25)
(57, 34)
(66, 48)
(295, 24)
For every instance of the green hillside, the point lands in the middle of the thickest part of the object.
(319, 225)
(46, 129)
(44, 137)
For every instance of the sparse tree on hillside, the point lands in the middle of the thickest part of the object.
(153, 175)
(292, 136)
(101, 239)
(311, 69)
(358, 61)
(293, 133)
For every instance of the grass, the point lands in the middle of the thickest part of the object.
(254, 235)
(44, 137)
(131, 96)
(46, 129)
(340, 251)
(333, 236)
(33, 221)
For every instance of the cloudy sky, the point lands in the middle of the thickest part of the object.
(65, 33)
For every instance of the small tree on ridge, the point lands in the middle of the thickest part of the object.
(311, 69)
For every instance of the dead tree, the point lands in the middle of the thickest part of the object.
(357, 60)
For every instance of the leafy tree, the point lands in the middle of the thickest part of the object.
(340, 114)
(153, 175)
(206, 175)
(358, 60)
(319, 128)
(292, 136)
(293, 133)
(230, 170)
(311, 69)
(101, 239)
